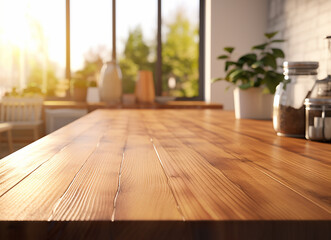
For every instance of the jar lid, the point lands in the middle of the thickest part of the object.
(318, 101)
(301, 65)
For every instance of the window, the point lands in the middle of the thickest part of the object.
(163, 36)
(32, 45)
(173, 56)
(90, 37)
(136, 38)
(180, 48)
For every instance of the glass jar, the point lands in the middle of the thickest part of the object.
(318, 106)
(318, 111)
(289, 110)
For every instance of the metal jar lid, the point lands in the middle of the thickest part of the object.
(318, 101)
(300, 65)
(300, 68)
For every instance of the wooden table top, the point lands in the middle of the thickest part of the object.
(187, 173)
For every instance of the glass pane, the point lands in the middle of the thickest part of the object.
(180, 48)
(32, 45)
(136, 38)
(90, 29)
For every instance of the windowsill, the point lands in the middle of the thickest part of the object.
(98, 105)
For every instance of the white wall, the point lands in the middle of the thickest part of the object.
(238, 23)
(304, 24)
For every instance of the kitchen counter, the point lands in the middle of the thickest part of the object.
(166, 174)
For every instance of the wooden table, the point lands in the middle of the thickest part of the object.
(166, 174)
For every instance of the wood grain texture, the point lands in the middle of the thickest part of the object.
(307, 176)
(144, 192)
(96, 184)
(17, 166)
(237, 171)
(196, 174)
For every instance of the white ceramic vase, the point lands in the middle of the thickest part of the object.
(253, 104)
(110, 84)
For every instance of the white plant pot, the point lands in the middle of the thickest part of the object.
(253, 104)
(93, 95)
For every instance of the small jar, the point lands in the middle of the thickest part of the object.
(289, 110)
(318, 111)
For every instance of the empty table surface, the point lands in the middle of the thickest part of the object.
(189, 174)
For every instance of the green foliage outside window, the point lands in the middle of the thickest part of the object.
(180, 53)
(180, 60)
(37, 76)
(135, 58)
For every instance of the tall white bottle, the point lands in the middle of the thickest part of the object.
(110, 84)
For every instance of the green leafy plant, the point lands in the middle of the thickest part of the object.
(79, 82)
(257, 68)
(92, 83)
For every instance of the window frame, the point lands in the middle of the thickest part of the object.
(158, 72)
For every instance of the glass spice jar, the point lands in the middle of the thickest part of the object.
(318, 106)
(318, 111)
(289, 110)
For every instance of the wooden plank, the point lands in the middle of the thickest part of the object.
(91, 194)
(201, 191)
(17, 166)
(143, 184)
(235, 174)
(296, 146)
(263, 131)
(306, 176)
(144, 192)
(274, 200)
(35, 196)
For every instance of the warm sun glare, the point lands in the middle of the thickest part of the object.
(29, 32)
(33, 33)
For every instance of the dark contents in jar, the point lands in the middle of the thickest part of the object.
(291, 120)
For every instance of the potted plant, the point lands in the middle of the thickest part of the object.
(255, 76)
(93, 92)
(79, 87)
